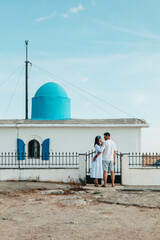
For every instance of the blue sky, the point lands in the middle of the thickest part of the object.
(108, 48)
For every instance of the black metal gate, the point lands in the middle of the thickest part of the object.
(89, 159)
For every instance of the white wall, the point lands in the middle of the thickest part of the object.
(71, 139)
(8, 139)
(142, 176)
(67, 174)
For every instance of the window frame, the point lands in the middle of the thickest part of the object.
(33, 137)
(33, 150)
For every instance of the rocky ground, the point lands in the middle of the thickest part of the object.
(45, 211)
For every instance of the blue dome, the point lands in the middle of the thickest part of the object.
(51, 89)
(51, 102)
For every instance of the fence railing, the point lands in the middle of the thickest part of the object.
(71, 160)
(144, 159)
(52, 160)
(89, 159)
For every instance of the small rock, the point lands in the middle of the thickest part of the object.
(74, 201)
(52, 192)
(93, 192)
(96, 192)
(97, 197)
(89, 200)
(81, 192)
(5, 218)
(74, 197)
(72, 192)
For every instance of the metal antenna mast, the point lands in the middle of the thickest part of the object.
(26, 78)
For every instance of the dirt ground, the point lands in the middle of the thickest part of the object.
(46, 211)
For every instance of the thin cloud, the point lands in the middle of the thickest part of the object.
(40, 19)
(76, 9)
(84, 79)
(65, 15)
(145, 34)
(126, 43)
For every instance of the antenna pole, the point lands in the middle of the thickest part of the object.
(26, 78)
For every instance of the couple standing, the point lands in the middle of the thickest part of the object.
(104, 160)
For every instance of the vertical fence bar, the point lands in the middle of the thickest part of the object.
(153, 158)
(72, 159)
(12, 159)
(56, 158)
(156, 156)
(62, 158)
(121, 163)
(146, 158)
(5, 158)
(49, 160)
(69, 159)
(59, 159)
(76, 159)
(117, 162)
(143, 159)
(52, 159)
(66, 159)
(8, 159)
(136, 160)
(2, 158)
(89, 161)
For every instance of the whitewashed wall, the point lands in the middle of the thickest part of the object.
(64, 174)
(139, 176)
(71, 139)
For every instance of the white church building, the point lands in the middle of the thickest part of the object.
(51, 146)
(51, 128)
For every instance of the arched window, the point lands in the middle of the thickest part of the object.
(34, 149)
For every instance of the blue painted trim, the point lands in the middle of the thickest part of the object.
(20, 149)
(45, 149)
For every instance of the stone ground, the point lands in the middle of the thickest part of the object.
(45, 211)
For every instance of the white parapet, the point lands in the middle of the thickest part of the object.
(139, 176)
(64, 174)
(82, 166)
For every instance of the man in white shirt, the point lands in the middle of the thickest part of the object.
(108, 158)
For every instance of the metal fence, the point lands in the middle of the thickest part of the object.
(71, 160)
(55, 160)
(144, 160)
(89, 159)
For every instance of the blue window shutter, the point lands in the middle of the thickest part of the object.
(20, 149)
(45, 149)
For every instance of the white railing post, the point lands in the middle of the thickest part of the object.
(82, 166)
(124, 170)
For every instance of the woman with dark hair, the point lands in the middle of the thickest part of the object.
(97, 170)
